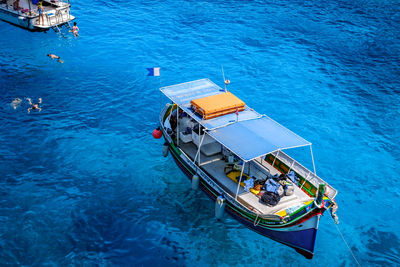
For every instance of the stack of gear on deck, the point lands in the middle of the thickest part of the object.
(277, 187)
(217, 105)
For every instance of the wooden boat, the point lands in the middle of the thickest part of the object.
(56, 14)
(221, 153)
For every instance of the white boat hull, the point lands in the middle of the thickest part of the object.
(52, 18)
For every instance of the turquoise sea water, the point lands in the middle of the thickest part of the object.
(84, 183)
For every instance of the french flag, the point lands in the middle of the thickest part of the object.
(153, 71)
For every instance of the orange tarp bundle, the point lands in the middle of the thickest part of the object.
(217, 105)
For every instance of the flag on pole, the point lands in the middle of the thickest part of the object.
(153, 71)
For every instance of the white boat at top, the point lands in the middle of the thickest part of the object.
(56, 13)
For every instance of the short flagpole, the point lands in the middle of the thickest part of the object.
(223, 76)
(159, 75)
(226, 81)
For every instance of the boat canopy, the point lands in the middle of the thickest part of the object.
(249, 135)
(255, 138)
(182, 94)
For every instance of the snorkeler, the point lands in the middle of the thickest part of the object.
(52, 56)
(34, 106)
(16, 102)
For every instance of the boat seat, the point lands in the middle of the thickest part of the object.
(185, 138)
(184, 123)
(211, 149)
(207, 139)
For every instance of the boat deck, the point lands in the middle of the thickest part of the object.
(215, 165)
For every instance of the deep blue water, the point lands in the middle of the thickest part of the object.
(84, 183)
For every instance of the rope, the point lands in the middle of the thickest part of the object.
(351, 251)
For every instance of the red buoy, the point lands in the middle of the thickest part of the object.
(157, 133)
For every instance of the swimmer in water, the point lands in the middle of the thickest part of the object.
(16, 102)
(34, 106)
(75, 30)
(52, 56)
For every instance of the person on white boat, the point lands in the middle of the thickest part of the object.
(40, 10)
(75, 30)
(16, 5)
(34, 106)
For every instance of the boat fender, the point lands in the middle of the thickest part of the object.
(219, 207)
(334, 209)
(195, 182)
(157, 133)
(165, 150)
(21, 18)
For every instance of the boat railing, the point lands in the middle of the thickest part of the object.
(63, 1)
(258, 169)
(161, 119)
(58, 16)
(304, 172)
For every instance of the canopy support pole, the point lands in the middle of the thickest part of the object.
(177, 125)
(198, 150)
(312, 157)
(305, 180)
(200, 142)
(240, 180)
(275, 158)
(291, 166)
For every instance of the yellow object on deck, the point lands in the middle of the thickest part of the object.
(234, 176)
(217, 105)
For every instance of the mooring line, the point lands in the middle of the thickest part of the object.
(351, 251)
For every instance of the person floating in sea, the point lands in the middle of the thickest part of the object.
(34, 106)
(75, 30)
(52, 56)
(16, 102)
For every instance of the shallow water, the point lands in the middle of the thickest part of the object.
(84, 183)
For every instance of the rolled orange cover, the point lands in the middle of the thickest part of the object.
(217, 105)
